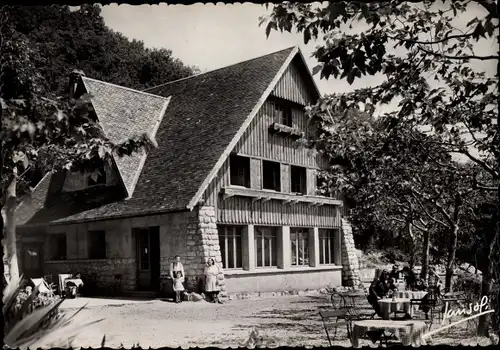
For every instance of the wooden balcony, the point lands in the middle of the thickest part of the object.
(287, 198)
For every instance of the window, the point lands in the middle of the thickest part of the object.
(96, 244)
(298, 179)
(100, 180)
(283, 113)
(144, 251)
(327, 246)
(299, 238)
(32, 257)
(265, 247)
(57, 246)
(230, 246)
(271, 175)
(239, 168)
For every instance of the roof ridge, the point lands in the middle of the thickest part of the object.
(125, 88)
(217, 69)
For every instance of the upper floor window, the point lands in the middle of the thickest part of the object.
(239, 168)
(283, 113)
(99, 180)
(271, 175)
(298, 179)
(96, 244)
(57, 246)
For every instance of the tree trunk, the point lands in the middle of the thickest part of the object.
(10, 217)
(450, 263)
(425, 255)
(486, 284)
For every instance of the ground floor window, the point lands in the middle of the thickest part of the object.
(96, 244)
(230, 246)
(327, 246)
(57, 246)
(299, 239)
(266, 253)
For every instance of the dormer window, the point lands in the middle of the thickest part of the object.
(100, 180)
(283, 113)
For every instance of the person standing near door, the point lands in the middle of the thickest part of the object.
(176, 266)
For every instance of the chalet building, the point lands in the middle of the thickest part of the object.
(227, 181)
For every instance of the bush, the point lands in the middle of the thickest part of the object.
(468, 283)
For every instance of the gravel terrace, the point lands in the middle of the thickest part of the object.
(284, 321)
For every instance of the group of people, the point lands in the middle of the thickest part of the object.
(211, 284)
(385, 285)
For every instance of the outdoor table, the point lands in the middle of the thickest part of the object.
(417, 294)
(408, 332)
(388, 306)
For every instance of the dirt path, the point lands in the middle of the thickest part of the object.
(284, 321)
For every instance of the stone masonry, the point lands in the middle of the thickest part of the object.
(350, 263)
(202, 243)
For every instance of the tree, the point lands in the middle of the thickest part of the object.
(460, 111)
(52, 134)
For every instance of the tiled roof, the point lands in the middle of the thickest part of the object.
(203, 116)
(124, 113)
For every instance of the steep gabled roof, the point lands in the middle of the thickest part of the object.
(206, 116)
(124, 113)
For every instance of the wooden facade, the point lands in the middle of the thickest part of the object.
(259, 144)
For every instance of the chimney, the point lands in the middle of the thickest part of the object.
(74, 79)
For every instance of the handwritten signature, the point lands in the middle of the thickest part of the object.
(479, 309)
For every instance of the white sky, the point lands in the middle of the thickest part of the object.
(212, 36)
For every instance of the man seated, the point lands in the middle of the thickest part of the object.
(378, 290)
(395, 273)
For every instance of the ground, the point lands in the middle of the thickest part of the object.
(283, 321)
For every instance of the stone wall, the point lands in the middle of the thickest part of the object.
(201, 244)
(102, 272)
(350, 263)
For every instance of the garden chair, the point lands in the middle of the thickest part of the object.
(341, 317)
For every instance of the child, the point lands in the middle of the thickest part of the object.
(178, 286)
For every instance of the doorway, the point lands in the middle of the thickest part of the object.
(32, 260)
(148, 258)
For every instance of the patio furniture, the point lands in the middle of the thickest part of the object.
(358, 305)
(62, 281)
(411, 294)
(407, 332)
(42, 285)
(341, 317)
(390, 305)
(457, 300)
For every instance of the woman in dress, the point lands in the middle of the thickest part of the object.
(377, 291)
(211, 285)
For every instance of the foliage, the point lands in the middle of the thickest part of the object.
(423, 59)
(67, 40)
(256, 340)
(31, 324)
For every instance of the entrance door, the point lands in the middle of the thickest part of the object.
(148, 258)
(32, 260)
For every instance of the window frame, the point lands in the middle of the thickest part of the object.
(296, 169)
(101, 179)
(102, 245)
(283, 113)
(327, 249)
(275, 167)
(270, 234)
(237, 160)
(55, 241)
(231, 235)
(301, 241)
